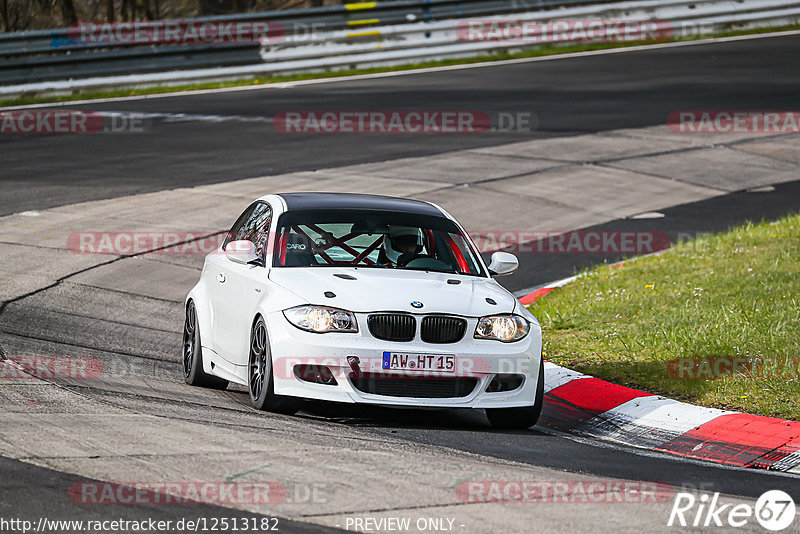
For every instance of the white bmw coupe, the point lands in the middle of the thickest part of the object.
(362, 299)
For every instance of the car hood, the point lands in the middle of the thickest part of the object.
(395, 290)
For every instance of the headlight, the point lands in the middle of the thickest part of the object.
(503, 328)
(321, 319)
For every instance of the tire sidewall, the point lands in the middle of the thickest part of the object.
(262, 400)
(524, 417)
(267, 400)
(196, 369)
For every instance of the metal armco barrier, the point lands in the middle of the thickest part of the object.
(57, 54)
(360, 35)
(392, 45)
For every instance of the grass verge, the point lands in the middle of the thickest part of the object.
(713, 321)
(547, 50)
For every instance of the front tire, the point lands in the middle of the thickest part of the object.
(260, 382)
(523, 417)
(193, 354)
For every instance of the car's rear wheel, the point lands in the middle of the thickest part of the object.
(522, 417)
(193, 354)
(259, 375)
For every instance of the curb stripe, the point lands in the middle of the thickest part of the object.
(531, 297)
(580, 401)
(596, 395)
(739, 439)
(558, 376)
(651, 421)
(790, 463)
(669, 415)
(586, 405)
(539, 292)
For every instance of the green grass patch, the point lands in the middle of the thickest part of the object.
(732, 297)
(546, 50)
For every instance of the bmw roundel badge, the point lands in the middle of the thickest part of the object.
(416, 304)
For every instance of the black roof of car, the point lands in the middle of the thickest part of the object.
(355, 201)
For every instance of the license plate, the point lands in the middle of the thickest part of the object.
(409, 361)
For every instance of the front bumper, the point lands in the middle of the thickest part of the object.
(476, 359)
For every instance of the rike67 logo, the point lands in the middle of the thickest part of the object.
(774, 510)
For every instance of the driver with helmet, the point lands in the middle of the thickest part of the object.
(401, 245)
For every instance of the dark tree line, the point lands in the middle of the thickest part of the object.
(19, 15)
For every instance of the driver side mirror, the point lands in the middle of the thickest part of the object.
(503, 263)
(243, 252)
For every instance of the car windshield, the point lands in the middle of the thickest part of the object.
(375, 239)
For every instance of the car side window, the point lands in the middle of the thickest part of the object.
(252, 225)
(238, 225)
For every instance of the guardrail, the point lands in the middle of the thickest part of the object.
(441, 40)
(61, 39)
(328, 17)
(350, 36)
(43, 40)
(61, 53)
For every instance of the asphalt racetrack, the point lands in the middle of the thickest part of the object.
(152, 425)
(224, 136)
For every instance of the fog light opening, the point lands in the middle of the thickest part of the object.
(316, 374)
(505, 383)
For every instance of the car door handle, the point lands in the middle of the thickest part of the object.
(221, 278)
